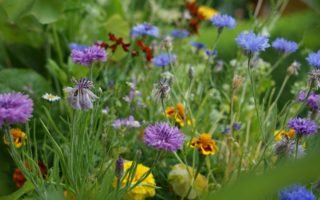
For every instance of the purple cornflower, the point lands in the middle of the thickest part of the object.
(129, 122)
(313, 100)
(296, 192)
(15, 108)
(164, 59)
(303, 126)
(80, 96)
(76, 46)
(89, 55)
(252, 43)
(180, 33)
(222, 21)
(145, 29)
(284, 46)
(162, 136)
(314, 59)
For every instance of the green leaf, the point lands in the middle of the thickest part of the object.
(18, 79)
(16, 9)
(27, 187)
(56, 71)
(47, 11)
(114, 7)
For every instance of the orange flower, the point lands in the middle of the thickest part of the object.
(18, 137)
(279, 134)
(205, 144)
(178, 113)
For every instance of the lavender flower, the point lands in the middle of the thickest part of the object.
(303, 126)
(80, 97)
(313, 100)
(15, 108)
(164, 59)
(89, 55)
(180, 33)
(162, 136)
(222, 21)
(252, 43)
(284, 46)
(145, 29)
(314, 59)
(76, 46)
(129, 122)
(296, 192)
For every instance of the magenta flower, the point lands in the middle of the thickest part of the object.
(15, 108)
(162, 136)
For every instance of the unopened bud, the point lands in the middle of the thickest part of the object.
(191, 72)
(236, 82)
(119, 171)
(293, 68)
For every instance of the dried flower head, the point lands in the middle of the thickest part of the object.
(236, 82)
(80, 96)
(161, 90)
(162, 136)
(314, 77)
(205, 144)
(15, 108)
(293, 69)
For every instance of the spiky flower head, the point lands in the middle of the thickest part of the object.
(285, 46)
(303, 126)
(162, 136)
(80, 96)
(161, 90)
(223, 20)
(145, 29)
(293, 69)
(314, 59)
(15, 108)
(296, 192)
(89, 55)
(252, 43)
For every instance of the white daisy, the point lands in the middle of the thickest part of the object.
(50, 97)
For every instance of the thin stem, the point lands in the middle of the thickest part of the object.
(277, 63)
(297, 146)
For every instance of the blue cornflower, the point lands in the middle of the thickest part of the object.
(180, 33)
(164, 59)
(303, 126)
(76, 46)
(314, 59)
(222, 21)
(198, 45)
(211, 53)
(251, 42)
(236, 126)
(145, 29)
(296, 192)
(284, 46)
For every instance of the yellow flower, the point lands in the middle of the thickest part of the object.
(180, 178)
(205, 144)
(291, 134)
(178, 113)
(279, 134)
(145, 189)
(18, 137)
(207, 12)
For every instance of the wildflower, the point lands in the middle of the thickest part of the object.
(18, 177)
(198, 45)
(119, 170)
(284, 46)
(80, 97)
(146, 50)
(293, 68)
(222, 21)
(129, 122)
(15, 108)
(133, 92)
(207, 12)
(161, 90)
(50, 97)
(76, 46)
(313, 100)
(296, 192)
(205, 144)
(303, 126)
(178, 113)
(180, 33)
(145, 29)
(105, 110)
(251, 42)
(236, 126)
(314, 77)
(180, 178)
(286, 147)
(164, 59)
(89, 55)
(167, 43)
(280, 134)
(314, 59)
(212, 53)
(144, 189)
(218, 67)
(18, 137)
(162, 136)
